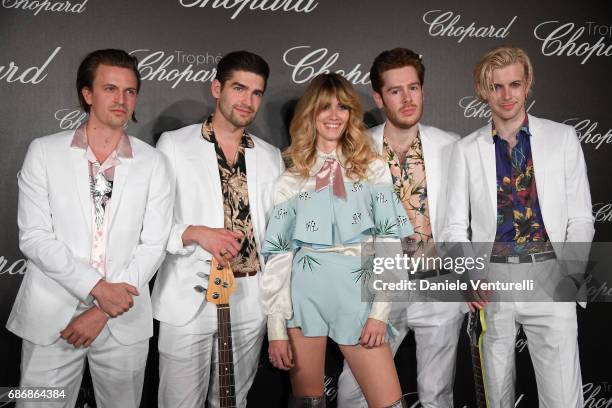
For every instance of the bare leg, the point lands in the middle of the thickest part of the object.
(375, 372)
(309, 364)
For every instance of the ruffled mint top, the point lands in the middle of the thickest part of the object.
(320, 221)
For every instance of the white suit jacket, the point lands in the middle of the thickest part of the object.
(199, 201)
(561, 181)
(437, 148)
(55, 234)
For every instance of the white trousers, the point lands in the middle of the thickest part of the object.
(436, 328)
(117, 370)
(552, 336)
(188, 355)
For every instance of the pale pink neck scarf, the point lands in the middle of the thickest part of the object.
(331, 175)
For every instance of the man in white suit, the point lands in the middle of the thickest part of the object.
(520, 183)
(224, 179)
(94, 214)
(418, 158)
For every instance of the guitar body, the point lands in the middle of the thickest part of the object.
(220, 287)
(476, 329)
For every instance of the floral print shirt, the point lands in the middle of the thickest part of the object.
(410, 184)
(520, 226)
(236, 199)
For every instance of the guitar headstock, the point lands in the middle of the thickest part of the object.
(220, 283)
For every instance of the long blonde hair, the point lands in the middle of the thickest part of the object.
(497, 58)
(355, 145)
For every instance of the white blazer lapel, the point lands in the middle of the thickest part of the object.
(250, 158)
(81, 180)
(377, 133)
(207, 156)
(431, 157)
(539, 156)
(119, 181)
(486, 147)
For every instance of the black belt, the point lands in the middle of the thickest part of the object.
(432, 273)
(527, 258)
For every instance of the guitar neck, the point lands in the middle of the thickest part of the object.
(476, 333)
(481, 401)
(226, 357)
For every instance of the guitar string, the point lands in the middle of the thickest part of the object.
(224, 328)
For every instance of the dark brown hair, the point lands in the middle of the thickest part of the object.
(242, 61)
(89, 65)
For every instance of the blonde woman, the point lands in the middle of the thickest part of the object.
(335, 195)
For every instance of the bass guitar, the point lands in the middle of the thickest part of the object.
(476, 329)
(220, 287)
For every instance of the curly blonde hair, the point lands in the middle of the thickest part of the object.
(500, 57)
(355, 145)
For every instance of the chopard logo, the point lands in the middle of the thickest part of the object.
(587, 132)
(36, 6)
(296, 6)
(18, 267)
(331, 391)
(309, 63)
(598, 291)
(598, 29)
(183, 57)
(162, 67)
(563, 39)
(520, 344)
(474, 108)
(602, 212)
(70, 119)
(446, 24)
(30, 75)
(592, 397)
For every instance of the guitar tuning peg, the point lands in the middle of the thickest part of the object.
(202, 275)
(199, 289)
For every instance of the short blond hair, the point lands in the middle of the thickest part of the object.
(355, 144)
(500, 57)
